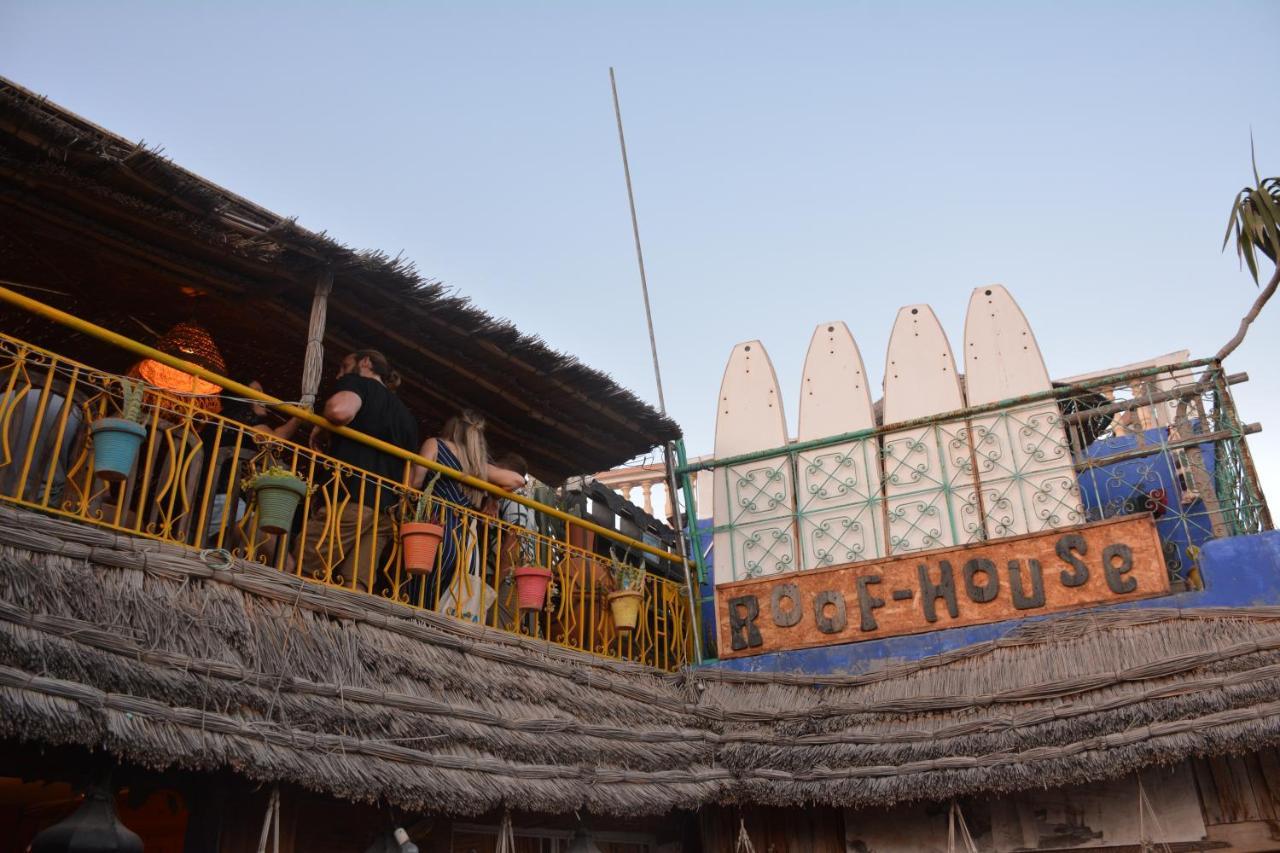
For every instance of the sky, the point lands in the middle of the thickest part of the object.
(794, 163)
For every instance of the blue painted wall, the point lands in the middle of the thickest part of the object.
(1241, 571)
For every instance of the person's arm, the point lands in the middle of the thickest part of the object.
(318, 439)
(342, 407)
(419, 473)
(345, 402)
(504, 478)
(287, 429)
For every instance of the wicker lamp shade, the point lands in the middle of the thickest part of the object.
(192, 343)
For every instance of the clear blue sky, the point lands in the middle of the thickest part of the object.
(794, 162)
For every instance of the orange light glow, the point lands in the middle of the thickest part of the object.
(170, 379)
(189, 342)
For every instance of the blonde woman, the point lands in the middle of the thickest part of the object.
(461, 446)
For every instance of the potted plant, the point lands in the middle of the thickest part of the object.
(116, 440)
(277, 491)
(531, 578)
(419, 536)
(624, 603)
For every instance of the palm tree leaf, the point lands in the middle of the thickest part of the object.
(1266, 221)
(1255, 221)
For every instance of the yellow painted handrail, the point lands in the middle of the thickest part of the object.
(140, 349)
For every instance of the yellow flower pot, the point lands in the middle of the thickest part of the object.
(625, 607)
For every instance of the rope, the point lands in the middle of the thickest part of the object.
(272, 816)
(744, 841)
(506, 836)
(955, 819)
(1146, 843)
(217, 558)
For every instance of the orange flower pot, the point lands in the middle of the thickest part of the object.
(531, 586)
(419, 540)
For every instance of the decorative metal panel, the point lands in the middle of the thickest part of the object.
(839, 504)
(1025, 469)
(930, 496)
(758, 501)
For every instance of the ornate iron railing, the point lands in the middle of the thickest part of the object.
(188, 486)
(1165, 439)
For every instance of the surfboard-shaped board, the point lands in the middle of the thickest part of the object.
(1023, 458)
(838, 503)
(754, 502)
(929, 490)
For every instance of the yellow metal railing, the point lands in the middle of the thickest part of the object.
(188, 486)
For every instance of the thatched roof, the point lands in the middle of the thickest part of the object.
(117, 233)
(172, 662)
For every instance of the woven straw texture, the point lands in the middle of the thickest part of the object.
(163, 659)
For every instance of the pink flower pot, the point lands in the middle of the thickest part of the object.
(531, 586)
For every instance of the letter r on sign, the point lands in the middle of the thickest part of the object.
(743, 632)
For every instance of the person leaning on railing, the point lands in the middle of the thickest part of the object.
(364, 400)
(462, 446)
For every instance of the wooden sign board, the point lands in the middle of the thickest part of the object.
(1074, 567)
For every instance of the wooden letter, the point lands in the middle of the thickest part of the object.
(835, 623)
(1116, 574)
(868, 602)
(1111, 561)
(930, 592)
(1022, 601)
(1068, 547)
(742, 626)
(790, 616)
(990, 587)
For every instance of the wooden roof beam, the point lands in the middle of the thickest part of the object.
(458, 369)
(513, 435)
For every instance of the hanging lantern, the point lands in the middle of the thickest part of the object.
(92, 828)
(188, 342)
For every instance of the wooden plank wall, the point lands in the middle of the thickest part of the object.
(1240, 796)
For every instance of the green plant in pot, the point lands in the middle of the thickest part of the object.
(419, 535)
(625, 601)
(277, 491)
(532, 579)
(116, 440)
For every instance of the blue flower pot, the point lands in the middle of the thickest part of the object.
(115, 447)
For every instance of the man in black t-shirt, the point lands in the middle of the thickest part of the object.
(364, 401)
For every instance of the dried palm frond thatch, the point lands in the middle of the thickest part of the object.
(132, 236)
(175, 663)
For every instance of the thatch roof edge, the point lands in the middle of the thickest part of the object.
(177, 663)
(79, 150)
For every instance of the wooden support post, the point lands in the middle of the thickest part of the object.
(313, 364)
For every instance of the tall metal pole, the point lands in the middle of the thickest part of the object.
(635, 230)
(673, 501)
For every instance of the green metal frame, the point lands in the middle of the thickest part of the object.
(958, 414)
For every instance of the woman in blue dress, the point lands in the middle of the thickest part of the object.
(461, 446)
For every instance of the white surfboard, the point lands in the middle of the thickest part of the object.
(838, 501)
(1023, 458)
(754, 502)
(930, 494)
